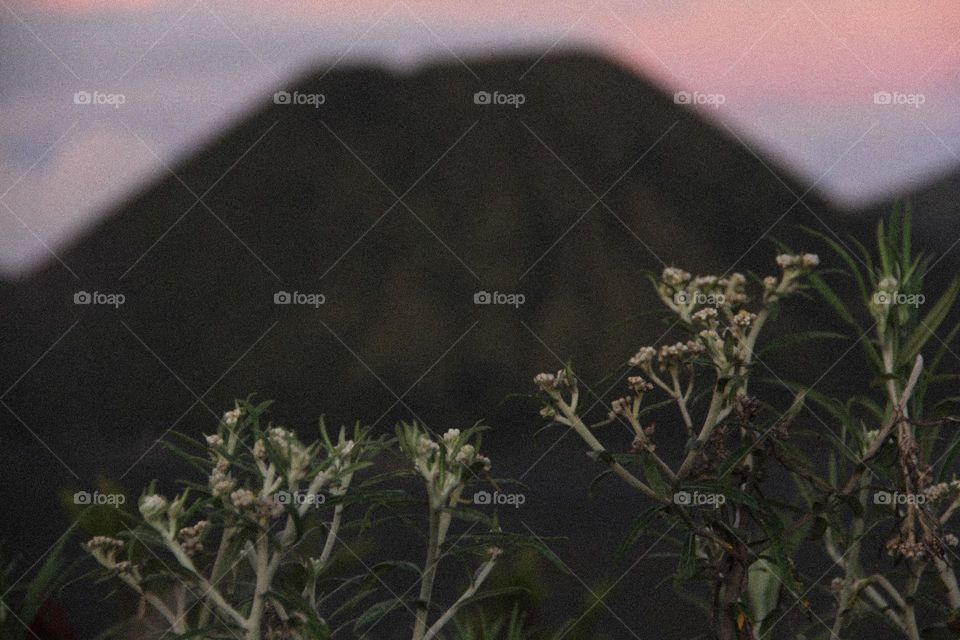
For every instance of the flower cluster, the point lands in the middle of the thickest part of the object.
(446, 463)
(722, 334)
(716, 310)
(105, 549)
(683, 293)
(251, 541)
(163, 515)
(190, 538)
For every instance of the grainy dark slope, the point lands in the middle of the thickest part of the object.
(490, 208)
(936, 203)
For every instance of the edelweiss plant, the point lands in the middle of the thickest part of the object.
(728, 440)
(446, 465)
(881, 504)
(249, 552)
(252, 550)
(890, 474)
(208, 560)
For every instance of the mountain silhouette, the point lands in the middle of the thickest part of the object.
(935, 200)
(399, 199)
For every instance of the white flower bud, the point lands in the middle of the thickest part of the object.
(744, 318)
(545, 381)
(643, 356)
(675, 277)
(705, 315)
(242, 498)
(230, 418)
(153, 506)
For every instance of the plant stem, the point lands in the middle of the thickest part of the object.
(909, 596)
(949, 580)
(331, 534)
(478, 580)
(573, 420)
(177, 622)
(225, 539)
(208, 589)
(714, 415)
(733, 581)
(429, 573)
(262, 586)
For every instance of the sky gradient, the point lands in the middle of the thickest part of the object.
(797, 81)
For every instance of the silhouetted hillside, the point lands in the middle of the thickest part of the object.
(297, 198)
(936, 202)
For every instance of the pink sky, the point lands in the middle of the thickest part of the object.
(797, 76)
(817, 50)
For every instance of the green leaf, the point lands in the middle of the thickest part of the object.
(948, 459)
(928, 325)
(853, 502)
(654, 478)
(637, 529)
(375, 612)
(44, 583)
(494, 593)
(687, 565)
(831, 298)
(763, 589)
(596, 481)
(792, 339)
(853, 268)
(886, 261)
